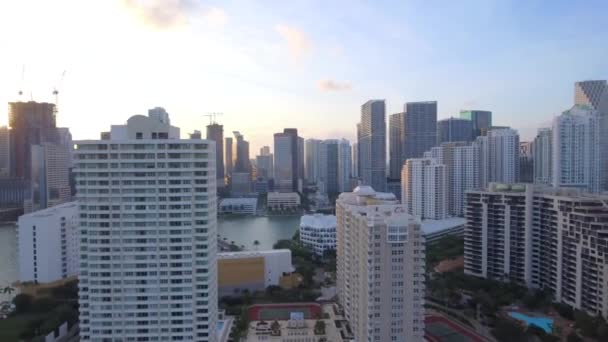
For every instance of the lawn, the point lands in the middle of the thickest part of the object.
(12, 326)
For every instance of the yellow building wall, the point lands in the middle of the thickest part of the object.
(234, 272)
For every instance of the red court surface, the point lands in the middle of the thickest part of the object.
(441, 329)
(281, 312)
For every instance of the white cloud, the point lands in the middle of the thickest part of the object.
(215, 17)
(331, 85)
(161, 14)
(297, 41)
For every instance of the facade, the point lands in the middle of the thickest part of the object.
(380, 267)
(159, 114)
(5, 152)
(318, 232)
(241, 205)
(48, 244)
(240, 154)
(50, 177)
(576, 149)
(481, 119)
(13, 192)
(542, 155)
(329, 166)
(344, 166)
(252, 270)
(424, 188)
(371, 134)
(419, 129)
(148, 210)
(313, 160)
(215, 132)
(283, 200)
(355, 167)
(526, 162)
(395, 136)
(265, 166)
(541, 237)
(240, 183)
(454, 129)
(228, 162)
(499, 156)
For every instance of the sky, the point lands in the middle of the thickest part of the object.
(270, 64)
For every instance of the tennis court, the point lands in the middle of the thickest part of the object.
(282, 312)
(441, 329)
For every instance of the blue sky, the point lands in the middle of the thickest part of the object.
(305, 64)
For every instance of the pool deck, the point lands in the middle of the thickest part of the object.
(561, 326)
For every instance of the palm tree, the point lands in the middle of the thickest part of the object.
(256, 244)
(8, 290)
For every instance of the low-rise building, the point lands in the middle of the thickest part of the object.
(48, 244)
(238, 206)
(436, 229)
(304, 323)
(252, 270)
(283, 200)
(318, 232)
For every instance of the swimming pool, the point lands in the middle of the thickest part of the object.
(220, 325)
(542, 322)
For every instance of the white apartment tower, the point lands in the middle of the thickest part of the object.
(148, 234)
(499, 156)
(542, 155)
(541, 237)
(424, 188)
(464, 176)
(380, 267)
(576, 149)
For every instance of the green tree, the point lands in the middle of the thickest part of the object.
(256, 244)
(320, 327)
(23, 303)
(507, 331)
(573, 337)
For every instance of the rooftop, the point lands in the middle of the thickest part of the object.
(252, 254)
(318, 221)
(52, 210)
(434, 226)
(239, 200)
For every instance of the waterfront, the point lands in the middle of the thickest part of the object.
(266, 229)
(8, 258)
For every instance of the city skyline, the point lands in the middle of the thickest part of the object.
(287, 71)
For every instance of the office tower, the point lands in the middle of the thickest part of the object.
(424, 188)
(355, 167)
(159, 114)
(481, 119)
(454, 129)
(541, 237)
(283, 172)
(576, 149)
(419, 128)
(344, 165)
(240, 153)
(499, 156)
(329, 166)
(196, 134)
(228, 162)
(542, 154)
(265, 167)
(372, 144)
(48, 244)
(5, 152)
(313, 160)
(526, 163)
(31, 123)
(148, 209)
(265, 151)
(215, 132)
(358, 157)
(50, 177)
(395, 130)
(240, 183)
(288, 154)
(380, 267)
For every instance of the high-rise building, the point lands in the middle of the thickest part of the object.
(380, 267)
(329, 166)
(593, 94)
(499, 156)
(344, 166)
(541, 237)
(5, 152)
(424, 188)
(148, 211)
(372, 144)
(31, 123)
(355, 168)
(265, 151)
(313, 160)
(481, 119)
(576, 149)
(48, 244)
(542, 154)
(50, 177)
(228, 162)
(289, 159)
(395, 145)
(265, 167)
(159, 114)
(419, 128)
(454, 129)
(526, 162)
(215, 132)
(240, 153)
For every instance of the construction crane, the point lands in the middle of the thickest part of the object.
(212, 117)
(56, 88)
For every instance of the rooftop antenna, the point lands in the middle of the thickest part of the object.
(212, 117)
(56, 88)
(20, 92)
